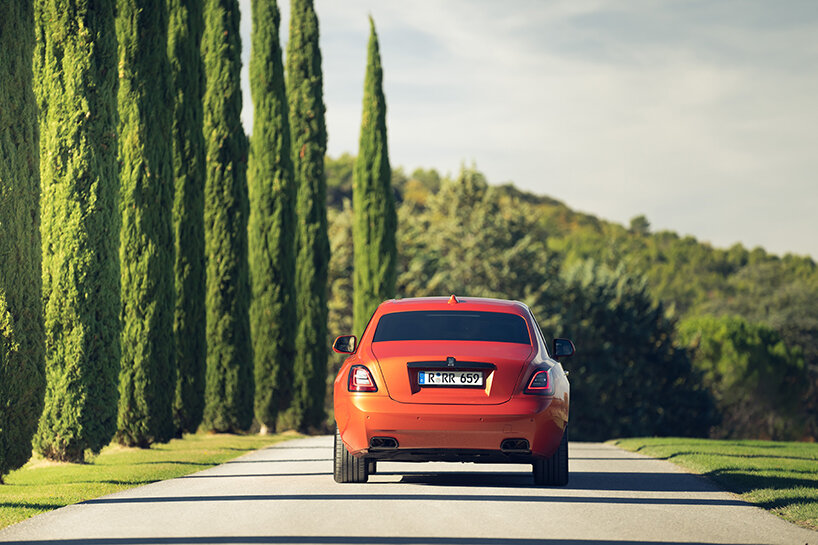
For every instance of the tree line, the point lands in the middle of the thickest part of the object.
(161, 272)
(674, 337)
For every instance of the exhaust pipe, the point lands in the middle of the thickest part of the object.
(383, 443)
(515, 445)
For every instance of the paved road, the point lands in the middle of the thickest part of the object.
(285, 495)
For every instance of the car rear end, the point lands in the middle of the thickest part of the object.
(452, 380)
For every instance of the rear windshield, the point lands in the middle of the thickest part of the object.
(452, 325)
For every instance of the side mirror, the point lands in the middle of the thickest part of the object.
(563, 348)
(345, 344)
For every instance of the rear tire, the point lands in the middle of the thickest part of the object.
(346, 467)
(553, 471)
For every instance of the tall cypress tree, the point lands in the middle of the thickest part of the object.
(148, 371)
(21, 319)
(373, 200)
(229, 385)
(75, 71)
(309, 143)
(187, 86)
(271, 229)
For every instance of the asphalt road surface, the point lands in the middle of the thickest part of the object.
(285, 495)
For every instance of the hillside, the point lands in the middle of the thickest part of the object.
(467, 236)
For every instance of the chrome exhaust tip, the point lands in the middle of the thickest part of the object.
(383, 443)
(515, 445)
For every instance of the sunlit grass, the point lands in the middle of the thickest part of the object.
(781, 477)
(42, 485)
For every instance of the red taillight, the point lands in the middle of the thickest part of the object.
(360, 380)
(540, 383)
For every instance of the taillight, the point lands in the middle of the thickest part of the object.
(540, 383)
(360, 380)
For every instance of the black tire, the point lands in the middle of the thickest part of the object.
(371, 467)
(553, 471)
(346, 467)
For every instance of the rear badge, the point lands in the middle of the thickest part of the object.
(450, 361)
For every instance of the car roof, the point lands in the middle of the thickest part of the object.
(445, 303)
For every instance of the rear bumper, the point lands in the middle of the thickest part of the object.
(426, 432)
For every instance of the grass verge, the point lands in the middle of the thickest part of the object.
(781, 477)
(41, 485)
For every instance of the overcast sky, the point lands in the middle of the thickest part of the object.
(701, 115)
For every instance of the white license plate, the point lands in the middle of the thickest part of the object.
(450, 378)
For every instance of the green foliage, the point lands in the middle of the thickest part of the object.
(229, 384)
(469, 240)
(339, 179)
(187, 87)
(420, 185)
(472, 239)
(756, 378)
(271, 231)
(667, 261)
(340, 172)
(373, 201)
(732, 280)
(779, 476)
(148, 372)
(309, 144)
(21, 319)
(628, 378)
(692, 278)
(339, 321)
(640, 226)
(782, 294)
(76, 74)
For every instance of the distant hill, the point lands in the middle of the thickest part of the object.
(689, 278)
(687, 275)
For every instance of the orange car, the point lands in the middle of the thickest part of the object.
(449, 379)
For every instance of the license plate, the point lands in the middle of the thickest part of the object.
(450, 378)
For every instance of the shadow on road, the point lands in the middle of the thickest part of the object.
(579, 480)
(617, 458)
(502, 498)
(318, 447)
(279, 461)
(342, 540)
(256, 475)
(173, 462)
(728, 455)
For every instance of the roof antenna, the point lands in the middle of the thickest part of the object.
(453, 300)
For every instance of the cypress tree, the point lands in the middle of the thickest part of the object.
(271, 229)
(229, 384)
(373, 200)
(76, 75)
(309, 143)
(21, 320)
(148, 370)
(187, 86)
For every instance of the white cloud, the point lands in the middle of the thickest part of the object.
(700, 115)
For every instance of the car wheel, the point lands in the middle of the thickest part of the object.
(553, 471)
(346, 467)
(371, 467)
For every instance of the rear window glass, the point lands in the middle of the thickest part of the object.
(452, 325)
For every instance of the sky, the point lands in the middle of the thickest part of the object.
(700, 115)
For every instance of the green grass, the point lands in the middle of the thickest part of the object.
(781, 477)
(41, 485)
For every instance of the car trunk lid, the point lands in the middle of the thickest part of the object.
(499, 363)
